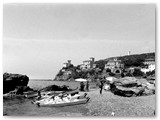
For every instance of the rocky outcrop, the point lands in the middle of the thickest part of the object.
(128, 87)
(11, 81)
(56, 88)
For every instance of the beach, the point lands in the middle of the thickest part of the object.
(106, 104)
(109, 104)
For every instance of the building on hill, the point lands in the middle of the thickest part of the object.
(149, 61)
(132, 69)
(116, 66)
(65, 65)
(88, 64)
(149, 68)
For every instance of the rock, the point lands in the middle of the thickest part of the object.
(11, 81)
(56, 88)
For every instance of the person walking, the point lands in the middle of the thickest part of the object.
(101, 86)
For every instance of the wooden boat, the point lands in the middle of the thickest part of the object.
(31, 95)
(77, 102)
(11, 96)
(50, 93)
(76, 96)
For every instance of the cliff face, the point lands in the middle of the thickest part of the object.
(10, 81)
(72, 73)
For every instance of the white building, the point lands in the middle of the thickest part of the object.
(115, 65)
(150, 68)
(87, 64)
(150, 62)
(67, 64)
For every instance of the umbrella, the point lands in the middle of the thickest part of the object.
(81, 80)
(111, 79)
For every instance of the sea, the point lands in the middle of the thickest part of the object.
(24, 107)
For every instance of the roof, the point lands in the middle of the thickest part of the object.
(150, 59)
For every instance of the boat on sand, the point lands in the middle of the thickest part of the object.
(76, 102)
(59, 101)
(50, 93)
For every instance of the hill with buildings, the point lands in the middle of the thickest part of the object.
(128, 65)
(129, 60)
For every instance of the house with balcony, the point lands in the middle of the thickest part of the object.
(149, 61)
(116, 66)
(150, 65)
(88, 64)
(149, 68)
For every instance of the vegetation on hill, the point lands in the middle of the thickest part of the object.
(132, 60)
(72, 72)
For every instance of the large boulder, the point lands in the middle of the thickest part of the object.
(56, 88)
(11, 81)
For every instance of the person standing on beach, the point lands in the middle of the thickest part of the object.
(87, 86)
(82, 85)
(39, 95)
(101, 86)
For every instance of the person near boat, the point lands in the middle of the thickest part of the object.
(87, 86)
(82, 85)
(39, 95)
(101, 86)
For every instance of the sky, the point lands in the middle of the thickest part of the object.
(39, 38)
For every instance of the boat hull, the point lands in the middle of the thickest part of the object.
(35, 94)
(80, 101)
(35, 101)
(13, 96)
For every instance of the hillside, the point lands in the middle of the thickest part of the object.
(128, 60)
(72, 72)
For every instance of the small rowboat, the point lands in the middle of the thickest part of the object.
(74, 102)
(11, 96)
(50, 93)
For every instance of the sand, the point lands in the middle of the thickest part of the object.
(109, 104)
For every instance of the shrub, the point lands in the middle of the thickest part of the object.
(137, 72)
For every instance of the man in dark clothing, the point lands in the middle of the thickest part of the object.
(101, 86)
(87, 86)
(82, 85)
(39, 95)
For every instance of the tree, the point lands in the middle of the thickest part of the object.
(101, 64)
(150, 73)
(129, 74)
(108, 70)
(122, 74)
(111, 74)
(137, 72)
(60, 73)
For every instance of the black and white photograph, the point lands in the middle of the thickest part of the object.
(79, 60)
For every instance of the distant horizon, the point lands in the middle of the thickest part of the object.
(39, 38)
(50, 79)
